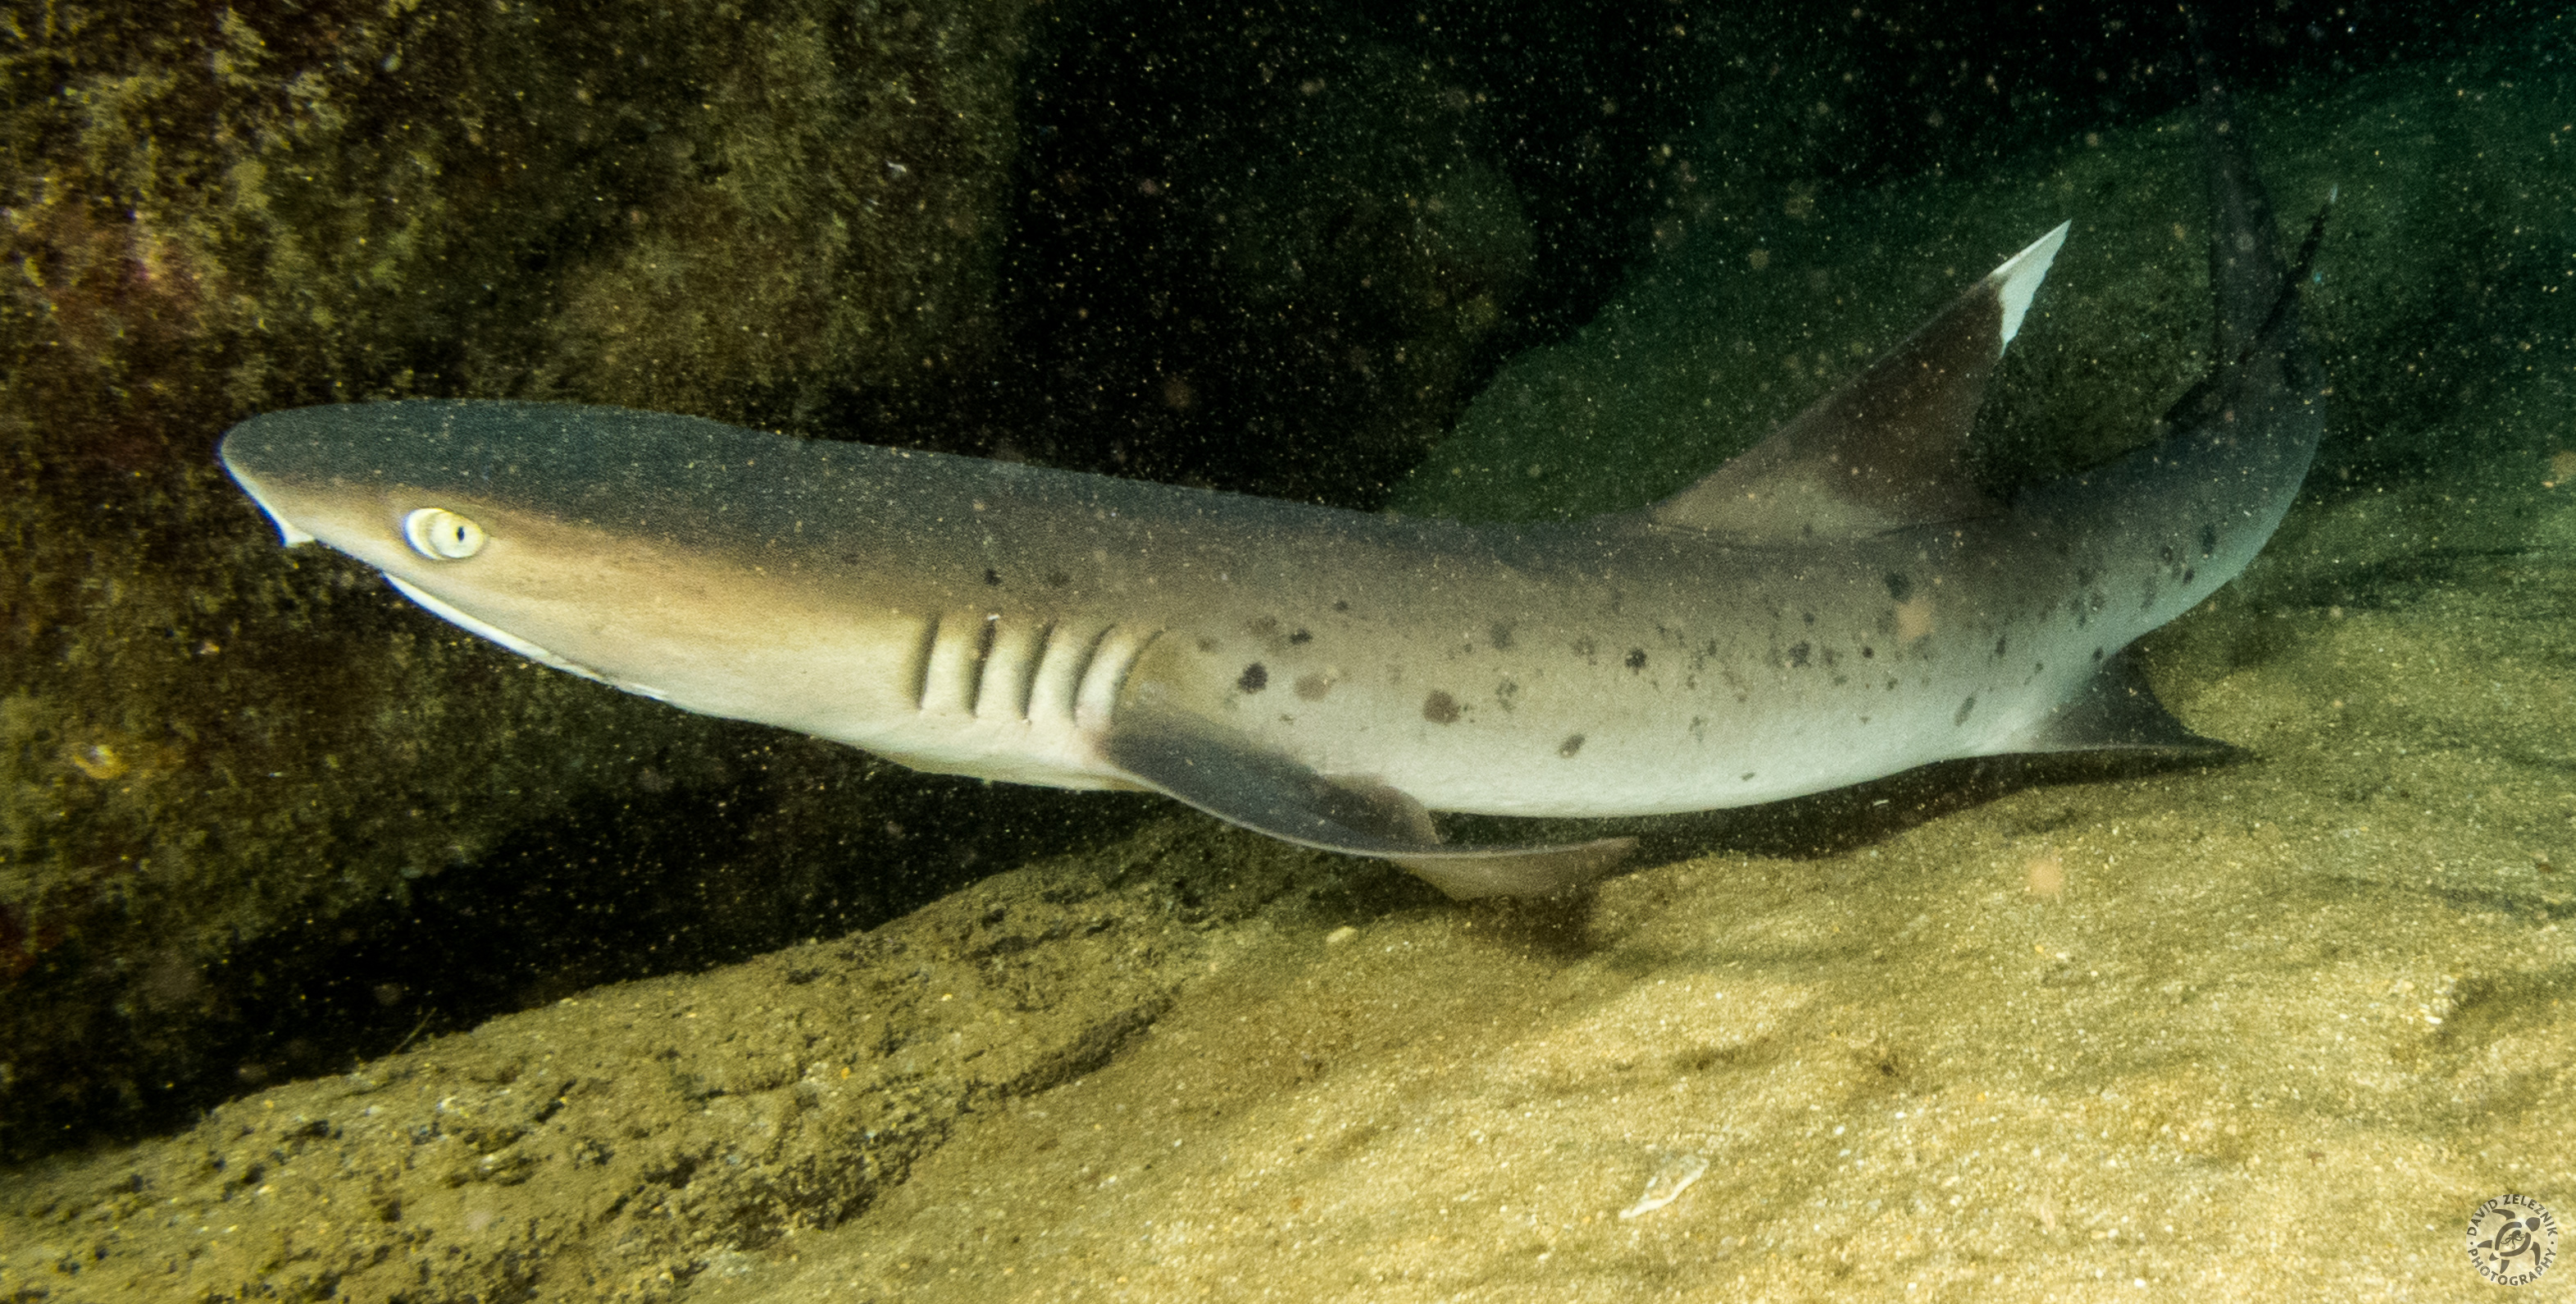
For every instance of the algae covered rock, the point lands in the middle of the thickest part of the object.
(618, 1144)
(219, 761)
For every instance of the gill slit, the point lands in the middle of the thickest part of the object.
(975, 670)
(1027, 687)
(1127, 667)
(1082, 668)
(921, 663)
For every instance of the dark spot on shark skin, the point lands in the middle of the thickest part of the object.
(2165, 554)
(993, 577)
(1585, 648)
(1891, 685)
(1058, 579)
(1301, 636)
(1207, 644)
(1747, 776)
(1572, 744)
(1636, 659)
(2187, 574)
(1255, 678)
(1798, 653)
(1339, 605)
(1999, 646)
(1262, 627)
(1964, 708)
(1899, 587)
(1810, 617)
(2097, 654)
(1500, 635)
(1312, 687)
(1506, 694)
(1440, 708)
(2208, 540)
(1831, 658)
(1866, 651)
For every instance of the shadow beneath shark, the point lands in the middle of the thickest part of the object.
(1836, 823)
(1813, 828)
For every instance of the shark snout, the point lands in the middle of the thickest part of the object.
(287, 530)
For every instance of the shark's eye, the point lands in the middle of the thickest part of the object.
(442, 535)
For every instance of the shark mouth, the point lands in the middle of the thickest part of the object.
(512, 641)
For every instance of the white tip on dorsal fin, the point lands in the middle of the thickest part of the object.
(1887, 450)
(2019, 278)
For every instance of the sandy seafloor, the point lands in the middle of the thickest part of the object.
(2268, 1028)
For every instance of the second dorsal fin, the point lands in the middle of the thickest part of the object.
(1887, 450)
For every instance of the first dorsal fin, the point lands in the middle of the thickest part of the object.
(1889, 449)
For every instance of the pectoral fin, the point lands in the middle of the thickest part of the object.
(1261, 790)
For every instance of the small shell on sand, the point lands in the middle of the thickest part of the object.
(1672, 1177)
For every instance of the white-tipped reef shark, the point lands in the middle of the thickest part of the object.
(1837, 604)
